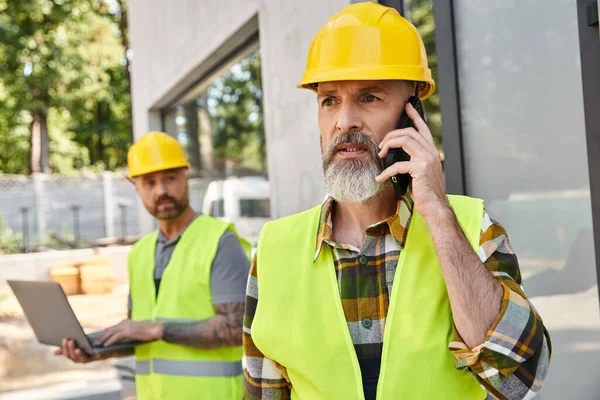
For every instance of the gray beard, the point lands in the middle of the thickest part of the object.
(352, 180)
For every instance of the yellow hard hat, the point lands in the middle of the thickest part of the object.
(155, 151)
(368, 41)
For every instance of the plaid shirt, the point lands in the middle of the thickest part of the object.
(512, 362)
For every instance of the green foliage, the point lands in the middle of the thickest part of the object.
(14, 142)
(66, 156)
(64, 59)
(39, 53)
(101, 108)
(63, 241)
(236, 110)
(9, 243)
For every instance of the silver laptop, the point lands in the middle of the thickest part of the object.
(50, 315)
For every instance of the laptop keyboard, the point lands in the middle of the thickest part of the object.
(96, 335)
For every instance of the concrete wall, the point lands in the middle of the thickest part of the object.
(176, 43)
(287, 28)
(36, 266)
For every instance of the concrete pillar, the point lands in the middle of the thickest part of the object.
(205, 137)
(109, 204)
(39, 206)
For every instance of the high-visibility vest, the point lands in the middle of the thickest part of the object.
(169, 371)
(300, 323)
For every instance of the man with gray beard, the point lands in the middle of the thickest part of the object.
(370, 296)
(352, 180)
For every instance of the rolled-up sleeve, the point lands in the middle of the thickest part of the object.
(513, 361)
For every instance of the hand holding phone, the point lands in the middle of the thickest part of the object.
(401, 181)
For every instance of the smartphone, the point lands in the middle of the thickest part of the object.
(401, 181)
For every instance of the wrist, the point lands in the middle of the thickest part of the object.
(158, 331)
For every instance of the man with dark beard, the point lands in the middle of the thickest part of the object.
(370, 296)
(187, 284)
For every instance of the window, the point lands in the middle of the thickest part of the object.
(526, 154)
(219, 122)
(255, 208)
(420, 14)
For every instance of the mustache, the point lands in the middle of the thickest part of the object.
(165, 197)
(351, 137)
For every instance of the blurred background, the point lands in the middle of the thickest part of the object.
(514, 117)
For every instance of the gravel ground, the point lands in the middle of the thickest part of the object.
(24, 363)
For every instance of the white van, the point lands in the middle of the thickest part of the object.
(243, 201)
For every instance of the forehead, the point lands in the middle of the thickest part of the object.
(357, 86)
(160, 174)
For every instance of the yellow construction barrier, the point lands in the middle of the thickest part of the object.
(92, 275)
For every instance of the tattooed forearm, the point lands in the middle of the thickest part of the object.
(222, 330)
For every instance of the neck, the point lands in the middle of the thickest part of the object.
(351, 220)
(173, 227)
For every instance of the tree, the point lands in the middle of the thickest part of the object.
(117, 14)
(100, 109)
(14, 139)
(40, 61)
(236, 109)
(64, 72)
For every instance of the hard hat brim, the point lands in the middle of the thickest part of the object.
(151, 169)
(371, 73)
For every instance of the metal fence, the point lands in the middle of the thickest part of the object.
(76, 208)
(73, 208)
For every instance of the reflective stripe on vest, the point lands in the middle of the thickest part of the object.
(169, 371)
(300, 322)
(196, 368)
(142, 367)
(189, 368)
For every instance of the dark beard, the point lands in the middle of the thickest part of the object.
(177, 208)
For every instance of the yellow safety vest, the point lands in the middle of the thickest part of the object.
(300, 323)
(169, 371)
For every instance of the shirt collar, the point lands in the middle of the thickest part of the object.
(164, 241)
(397, 223)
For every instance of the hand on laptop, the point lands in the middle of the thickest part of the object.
(134, 330)
(70, 350)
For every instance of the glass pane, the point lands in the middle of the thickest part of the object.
(525, 154)
(222, 131)
(420, 13)
(254, 208)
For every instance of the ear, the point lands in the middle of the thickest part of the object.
(132, 181)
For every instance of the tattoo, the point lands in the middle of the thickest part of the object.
(222, 330)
